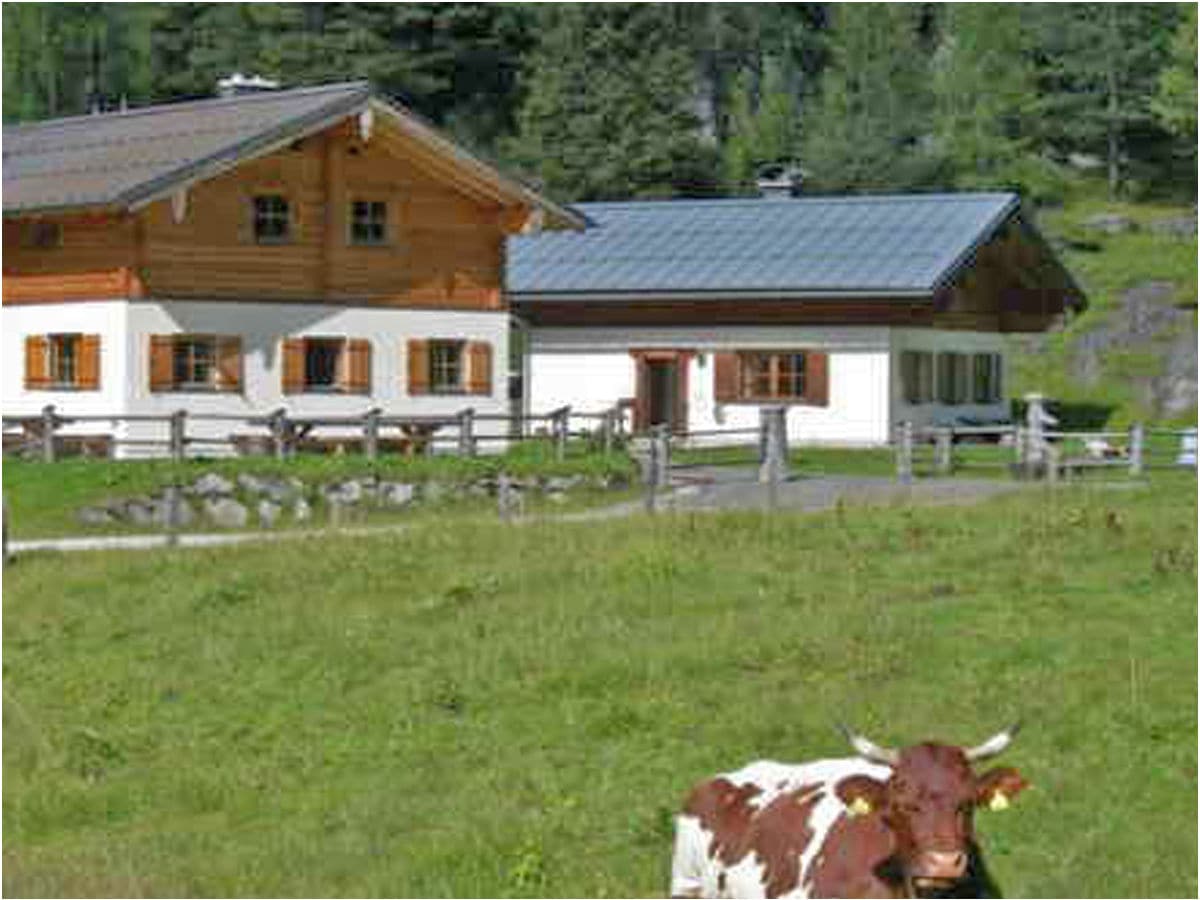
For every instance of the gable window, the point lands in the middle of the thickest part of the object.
(916, 377)
(43, 235)
(446, 367)
(271, 219)
(368, 222)
(326, 365)
(987, 378)
(195, 362)
(62, 361)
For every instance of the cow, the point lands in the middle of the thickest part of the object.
(885, 823)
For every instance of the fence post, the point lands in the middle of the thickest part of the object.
(49, 424)
(466, 432)
(506, 497)
(1053, 458)
(944, 450)
(178, 431)
(607, 430)
(1137, 445)
(278, 428)
(1036, 420)
(658, 462)
(371, 432)
(562, 427)
(773, 468)
(904, 453)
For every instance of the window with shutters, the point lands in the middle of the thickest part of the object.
(774, 376)
(446, 370)
(62, 359)
(323, 363)
(953, 378)
(987, 378)
(272, 214)
(916, 377)
(368, 223)
(195, 362)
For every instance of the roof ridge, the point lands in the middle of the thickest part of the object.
(761, 202)
(173, 105)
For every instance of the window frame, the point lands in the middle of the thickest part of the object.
(353, 223)
(953, 382)
(188, 343)
(751, 374)
(917, 365)
(341, 345)
(54, 343)
(988, 389)
(436, 386)
(261, 237)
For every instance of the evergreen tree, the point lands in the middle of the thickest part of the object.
(763, 127)
(1175, 98)
(866, 130)
(608, 109)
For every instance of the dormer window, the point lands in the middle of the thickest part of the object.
(271, 219)
(368, 222)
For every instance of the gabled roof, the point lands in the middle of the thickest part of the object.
(124, 160)
(898, 245)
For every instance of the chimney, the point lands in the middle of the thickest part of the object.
(779, 181)
(239, 85)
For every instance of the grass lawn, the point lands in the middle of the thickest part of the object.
(472, 710)
(44, 498)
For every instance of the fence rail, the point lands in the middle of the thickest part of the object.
(51, 434)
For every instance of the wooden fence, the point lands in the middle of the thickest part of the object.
(51, 434)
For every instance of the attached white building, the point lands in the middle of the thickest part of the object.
(858, 313)
(318, 250)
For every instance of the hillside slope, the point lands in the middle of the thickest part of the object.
(1132, 354)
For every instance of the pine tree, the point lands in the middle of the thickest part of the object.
(763, 126)
(1175, 98)
(608, 106)
(867, 128)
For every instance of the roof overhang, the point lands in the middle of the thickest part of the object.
(756, 295)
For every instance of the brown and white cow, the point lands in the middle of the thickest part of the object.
(886, 823)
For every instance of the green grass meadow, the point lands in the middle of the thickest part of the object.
(468, 709)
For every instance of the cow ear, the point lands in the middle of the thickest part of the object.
(861, 793)
(996, 787)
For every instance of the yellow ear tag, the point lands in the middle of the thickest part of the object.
(860, 807)
(998, 802)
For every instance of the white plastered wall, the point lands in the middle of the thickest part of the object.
(590, 369)
(125, 328)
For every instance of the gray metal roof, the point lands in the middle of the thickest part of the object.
(881, 245)
(119, 158)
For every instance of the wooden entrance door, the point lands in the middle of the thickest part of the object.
(661, 389)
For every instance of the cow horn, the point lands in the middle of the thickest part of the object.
(868, 749)
(994, 745)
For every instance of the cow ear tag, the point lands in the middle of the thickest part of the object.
(860, 806)
(998, 802)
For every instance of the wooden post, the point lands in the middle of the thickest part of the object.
(178, 431)
(49, 424)
(278, 431)
(773, 436)
(608, 430)
(466, 432)
(1137, 446)
(561, 430)
(904, 453)
(658, 462)
(371, 433)
(506, 498)
(944, 450)
(173, 515)
(1036, 420)
(1053, 469)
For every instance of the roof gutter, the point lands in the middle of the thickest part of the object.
(635, 296)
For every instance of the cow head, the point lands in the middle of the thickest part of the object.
(928, 804)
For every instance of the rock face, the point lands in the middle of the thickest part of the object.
(1146, 324)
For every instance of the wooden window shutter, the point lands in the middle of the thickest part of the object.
(162, 350)
(418, 367)
(358, 366)
(88, 373)
(726, 377)
(816, 391)
(229, 363)
(293, 365)
(36, 361)
(479, 371)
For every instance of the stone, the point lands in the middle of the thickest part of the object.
(558, 483)
(94, 515)
(396, 493)
(251, 484)
(268, 513)
(162, 511)
(347, 493)
(1109, 223)
(280, 492)
(1177, 226)
(226, 512)
(433, 491)
(302, 511)
(212, 485)
(139, 512)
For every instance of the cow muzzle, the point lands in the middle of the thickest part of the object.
(938, 868)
